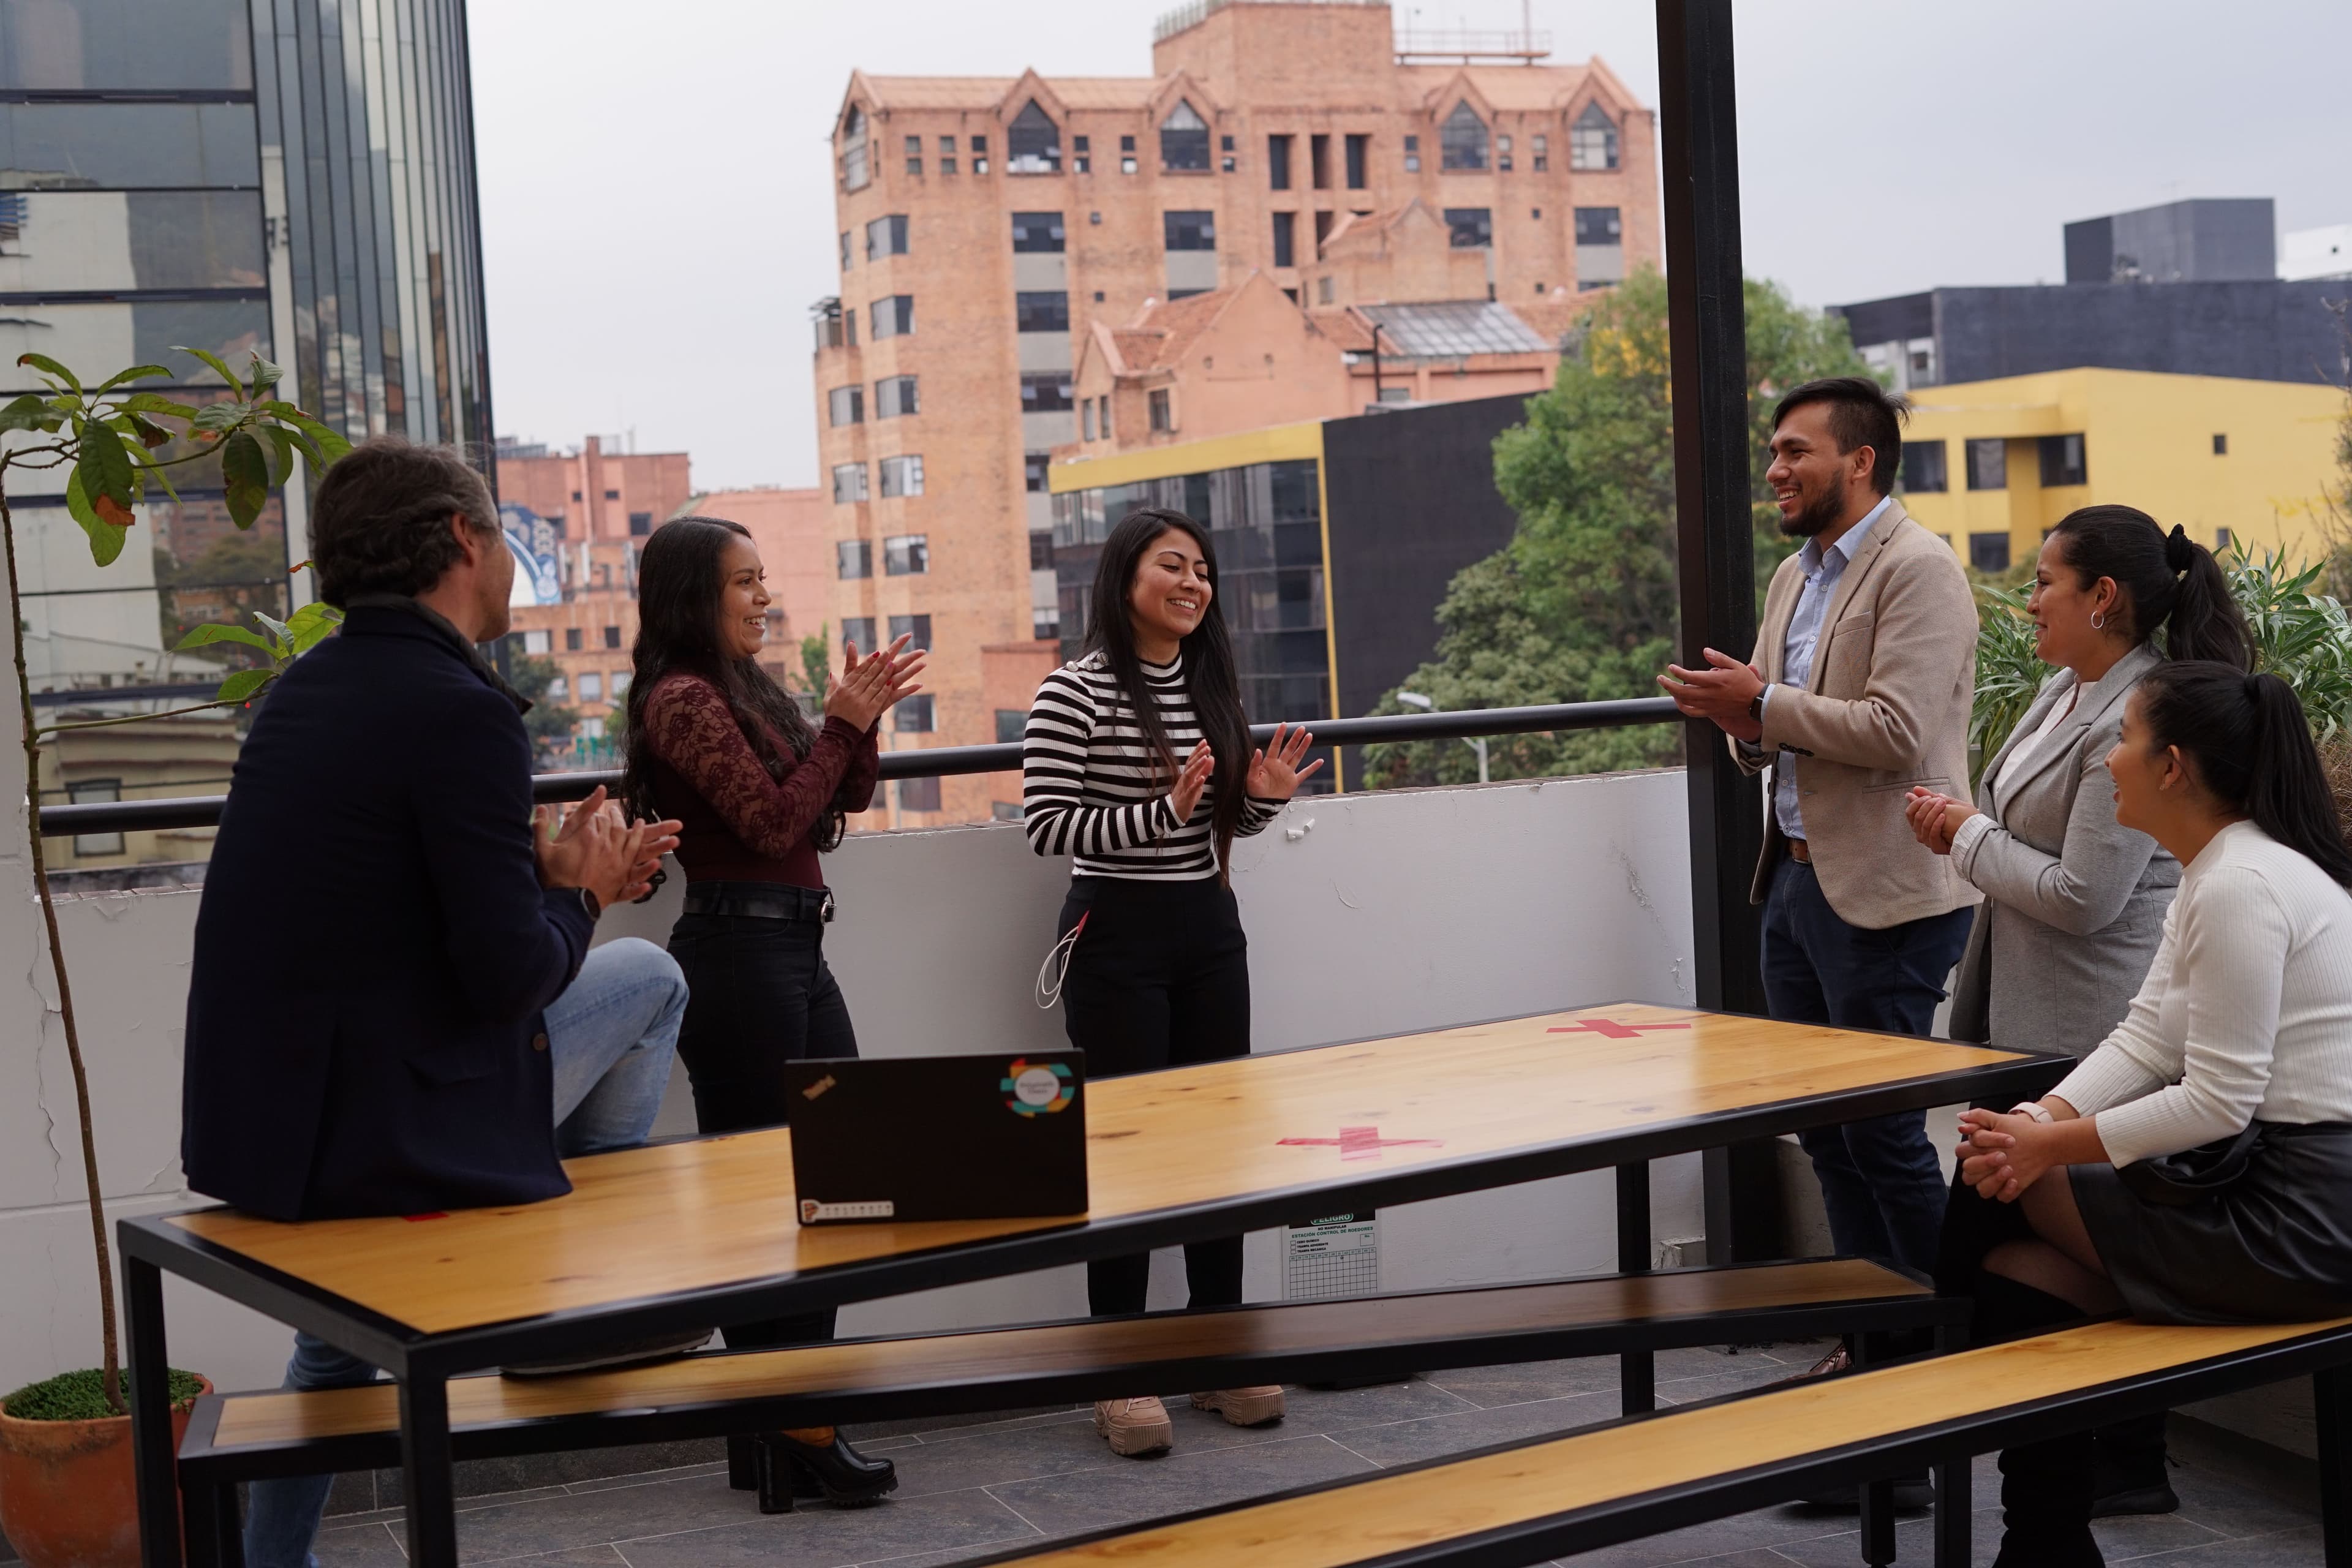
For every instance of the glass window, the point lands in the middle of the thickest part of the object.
(1503, 153)
(571, 643)
(844, 250)
(1189, 230)
(1285, 239)
(119, 145)
(1988, 469)
(912, 716)
(612, 636)
(893, 316)
(592, 686)
(1462, 140)
(856, 172)
(914, 154)
(619, 682)
(947, 154)
(1041, 549)
(1539, 153)
(640, 524)
(855, 558)
(92, 792)
(2221, 445)
(1359, 153)
(142, 239)
(894, 395)
(538, 641)
(1470, 227)
(1183, 139)
(1923, 467)
(1318, 162)
(885, 237)
(916, 627)
(905, 555)
(902, 476)
(1412, 154)
(1045, 392)
(1599, 225)
(1010, 722)
(848, 481)
(2063, 461)
(1087, 420)
(918, 794)
(189, 44)
(1033, 471)
(1036, 231)
(1278, 163)
(1989, 552)
(1033, 143)
(1162, 417)
(1592, 139)
(1040, 313)
(858, 630)
(846, 405)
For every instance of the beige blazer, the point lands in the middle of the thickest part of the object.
(1886, 708)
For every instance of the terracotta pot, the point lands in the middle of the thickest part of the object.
(66, 1497)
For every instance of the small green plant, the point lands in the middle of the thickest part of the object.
(81, 1396)
(2008, 674)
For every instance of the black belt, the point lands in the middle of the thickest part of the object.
(781, 903)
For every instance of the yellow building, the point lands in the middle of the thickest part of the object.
(1993, 465)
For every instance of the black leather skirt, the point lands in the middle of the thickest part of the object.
(2266, 1239)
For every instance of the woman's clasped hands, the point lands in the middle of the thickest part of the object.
(1934, 817)
(2001, 1154)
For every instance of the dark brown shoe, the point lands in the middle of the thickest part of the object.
(1829, 1366)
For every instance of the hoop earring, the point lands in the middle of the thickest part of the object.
(2098, 622)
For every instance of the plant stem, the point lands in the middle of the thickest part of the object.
(113, 1363)
(143, 718)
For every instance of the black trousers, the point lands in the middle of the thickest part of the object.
(759, 995)
(1158, 978)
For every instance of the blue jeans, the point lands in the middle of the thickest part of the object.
(610, 1037)
(1880, 1179)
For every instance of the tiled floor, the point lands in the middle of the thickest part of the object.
(972, 1489)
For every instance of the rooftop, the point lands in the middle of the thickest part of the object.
(1450, 329)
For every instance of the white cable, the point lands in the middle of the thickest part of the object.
(1058, 963)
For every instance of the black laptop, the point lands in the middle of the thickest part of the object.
(924, 1138)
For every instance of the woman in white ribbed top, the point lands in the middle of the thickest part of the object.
(2197, 1167)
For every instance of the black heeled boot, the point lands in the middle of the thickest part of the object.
(2132, 1476)
(2046, 1487)
(788, 1468)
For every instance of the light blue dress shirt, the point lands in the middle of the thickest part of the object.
(1821, 569)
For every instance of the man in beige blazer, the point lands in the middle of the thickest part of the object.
(1860, 689)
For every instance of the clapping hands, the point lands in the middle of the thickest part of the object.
(592, 846)
(1933, 818)
(869, 686)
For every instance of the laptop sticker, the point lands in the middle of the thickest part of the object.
(1038, 1091)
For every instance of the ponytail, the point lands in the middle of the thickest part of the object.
(2253, 750)
(2171, 582)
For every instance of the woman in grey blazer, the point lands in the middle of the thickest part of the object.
(2075, 902)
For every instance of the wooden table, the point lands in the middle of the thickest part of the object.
(700, 1231)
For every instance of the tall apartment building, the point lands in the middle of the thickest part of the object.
(985, 222)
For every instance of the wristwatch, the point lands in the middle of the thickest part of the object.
(1756, 704)
(2033, 1108)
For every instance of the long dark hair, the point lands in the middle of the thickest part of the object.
(1209, 679)
(679, 586)
(2171, 582)
(2253, 749)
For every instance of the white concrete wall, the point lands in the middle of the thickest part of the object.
(1368, 915)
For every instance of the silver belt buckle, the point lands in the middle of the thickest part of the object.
(824, 910)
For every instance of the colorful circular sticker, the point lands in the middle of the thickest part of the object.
(1039, 1089)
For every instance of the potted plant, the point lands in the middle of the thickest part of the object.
(65, 1443)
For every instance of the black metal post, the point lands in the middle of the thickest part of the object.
(1637, 1371)
(426, 1466)
(1954, 1475)
(1698, 137)
(2331, 1399)
(154, 1463)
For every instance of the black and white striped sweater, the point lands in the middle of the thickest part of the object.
(1091, 787)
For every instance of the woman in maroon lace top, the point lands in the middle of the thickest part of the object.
(759, 792)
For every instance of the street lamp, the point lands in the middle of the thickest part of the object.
(1476, 742)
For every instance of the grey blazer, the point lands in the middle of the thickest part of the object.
(2075, 902)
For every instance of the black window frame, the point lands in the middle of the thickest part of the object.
(1278, 162)
(1989, 552)
(1035, 395)
(1926, 467)
(1184, 149)
(898, 309)
(1981, 455)
(1039, 234)
(897, 397)
(1470, 229)
(1599, 226)
(886, 235)
(1024, 153)
(849, 552)
(1285, 239)
(2065, 460)
(1041, 310)
(1189, 228)
(913, 548)
(1458, 151)
(1358, 154)
(854, 395)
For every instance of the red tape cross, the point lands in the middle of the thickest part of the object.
(1610, 1027)
(1364, 1142)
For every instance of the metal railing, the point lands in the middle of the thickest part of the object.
(939, 761)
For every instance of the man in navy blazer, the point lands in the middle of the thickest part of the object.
(395, 1008)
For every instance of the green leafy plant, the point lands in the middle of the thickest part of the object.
(280, 642)
(113, 442)
(2009, 676)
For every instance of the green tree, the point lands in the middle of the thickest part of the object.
(816, 665)
(1581, 606)
(549, 722)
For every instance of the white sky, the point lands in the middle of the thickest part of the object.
(656, 186)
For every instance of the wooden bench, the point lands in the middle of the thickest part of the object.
(1526, 1501)
(248, 1436)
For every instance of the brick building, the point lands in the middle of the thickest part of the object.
(985, 223)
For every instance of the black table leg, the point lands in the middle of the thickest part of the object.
(1637, 1370)
(2331, 1401)
(1877, 1499)
(1954, 1478)
(155, 1465)
(213, 1539)
(425, 1467)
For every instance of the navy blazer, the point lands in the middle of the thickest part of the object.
(374, 950)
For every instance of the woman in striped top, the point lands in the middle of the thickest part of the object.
(1158, 968)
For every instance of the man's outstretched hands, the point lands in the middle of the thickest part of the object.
(1721, 694)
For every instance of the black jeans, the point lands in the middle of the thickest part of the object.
(1881, 1181)
(759, 995)
(1160, 978)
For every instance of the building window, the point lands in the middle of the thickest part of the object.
(1988, 463)
(1087, 420)
(559, 690)
(854, 558)
(848, 481)
(1004, 810)
(1188, 230)
(916, 628)
(1040, 313)
(1079, 154)
(1162, 417)
(537, 641)
(612, 495)
(1323, 291)
(1045, 392)
(1599, 226)
(592, 686)
(855, 172)
(914, 154)
(1412, 154)
(905, 555)
(1462, 140)
(619, 682)
(1041, 551)
(1358, 150)
(947, 154)
(1592, 139)
(1126, 154)
(1033, 143)
(1278, 163)
(1103, 414)
(612, 636)
(846, 405)
(1033, 471)
(857, 631)
(571, 640)
(2220, 447)
(1923, 467)
(92, 792)
(2222, 540)
(912, 715)
(1010, 722)
(844, 250)
(980, 155)
(640, 524)
(1470, 227)
(893, 316)
(1503, 153)
(1539, 153)
(918, 794)
(894, 395)
(1034, 233)
(1285, 239)
(1989, 552)
(902, 476)
(1183, 140)
(2062, 461)
(887, 236)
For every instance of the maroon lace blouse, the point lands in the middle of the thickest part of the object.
(739, 822)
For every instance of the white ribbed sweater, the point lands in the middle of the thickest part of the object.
(2245, 1015)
